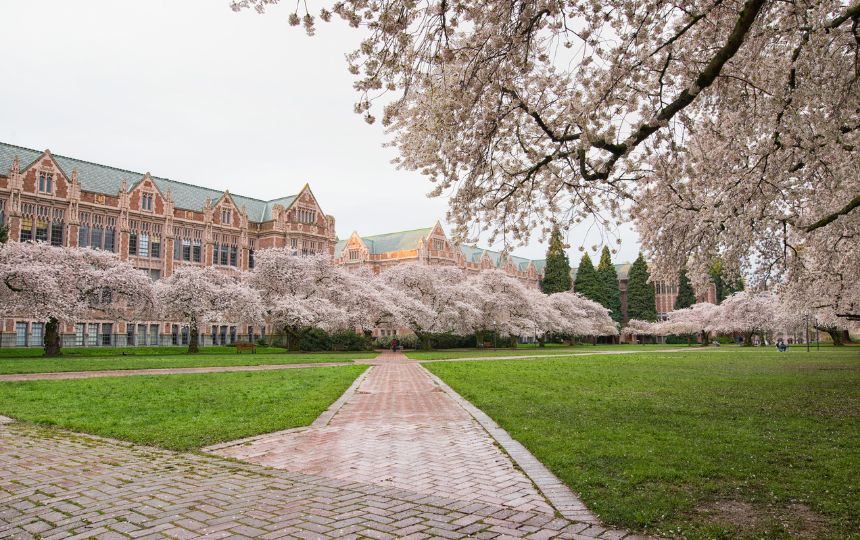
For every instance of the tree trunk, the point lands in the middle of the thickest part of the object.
(425, 340)
(689, 339)
(368, 340)
(52, 337)
(193, 338)
(747, 339)
(704, 339)
(835, 335)
(542, 340)
(479, 339)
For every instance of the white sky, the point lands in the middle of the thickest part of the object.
(194, 92)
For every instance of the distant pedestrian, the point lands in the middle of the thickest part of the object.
(395, 344)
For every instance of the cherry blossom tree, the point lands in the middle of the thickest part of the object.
(580, 316)
(503, 304)
(296, 292)
(691, 320)
(60, 285)
(198, 296)
(544, 315)
(731, 127)
(636, 328)
(747, 313)
(369, 302)
(444, 300)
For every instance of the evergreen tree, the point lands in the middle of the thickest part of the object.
(588, 283)
(557, 269)
(686, 295)
(607, 274)
(724, 287)
(4, 233)
(641, 297)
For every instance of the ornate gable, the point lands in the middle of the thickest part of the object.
(43, 177)
(145, 196)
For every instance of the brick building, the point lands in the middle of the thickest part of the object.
(430, 247)
(155, 223)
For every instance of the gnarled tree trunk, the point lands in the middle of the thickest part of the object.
(835, 334)
(52, 337)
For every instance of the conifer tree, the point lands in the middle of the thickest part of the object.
(4, 233)
(607, 274)
(557, 270)
(724, 287)
(588, 283)
(641, 297)
(686, 295)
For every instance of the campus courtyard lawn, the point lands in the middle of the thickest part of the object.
(108, 359)
(180, 412)
(530, 350)
(730, 443)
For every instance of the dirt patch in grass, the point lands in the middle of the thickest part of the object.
(798, 520)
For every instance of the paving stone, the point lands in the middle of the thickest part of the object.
(89, 487)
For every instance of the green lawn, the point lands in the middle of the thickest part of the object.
(180, 412)
(23, 352)
(735, 443)
(530, 350)
(88, 362)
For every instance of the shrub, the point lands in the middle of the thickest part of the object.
(349, 339)
(315, 340)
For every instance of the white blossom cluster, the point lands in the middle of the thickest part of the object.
(293, 294)
(723, 128)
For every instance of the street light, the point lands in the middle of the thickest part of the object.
(806, 321)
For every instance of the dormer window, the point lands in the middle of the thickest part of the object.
(46, 182)
(438, 244)
(146, 202)
(353, 254)
(225, 217)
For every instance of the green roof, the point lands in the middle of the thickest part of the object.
(398, 241)
(107, 180)
(622, 269)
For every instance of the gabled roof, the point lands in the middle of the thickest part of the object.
(108, 180)
(398, 241)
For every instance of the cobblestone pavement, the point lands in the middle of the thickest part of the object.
(400, 455)
(59, 485)
(401, 430)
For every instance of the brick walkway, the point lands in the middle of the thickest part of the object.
(401, 430)
(58, 485)
(400, 455)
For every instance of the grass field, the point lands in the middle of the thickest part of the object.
(735, 443)
(180, 412)
(88, 362)
(526, 350)
(24, 352)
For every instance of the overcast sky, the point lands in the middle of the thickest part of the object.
(194, 92)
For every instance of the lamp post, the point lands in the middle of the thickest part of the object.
(806, 322)
(535, 333)
(494, 335)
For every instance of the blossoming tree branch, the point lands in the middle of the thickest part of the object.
(721, 128)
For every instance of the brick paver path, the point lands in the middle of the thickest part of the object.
(400, 455)
(401, 430)
(57, 485)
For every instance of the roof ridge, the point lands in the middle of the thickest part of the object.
(398, 232)
(142, 175)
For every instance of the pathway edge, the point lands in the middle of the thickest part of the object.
(557, 492)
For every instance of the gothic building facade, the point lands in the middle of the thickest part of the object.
(430, 247)
(155, 223)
